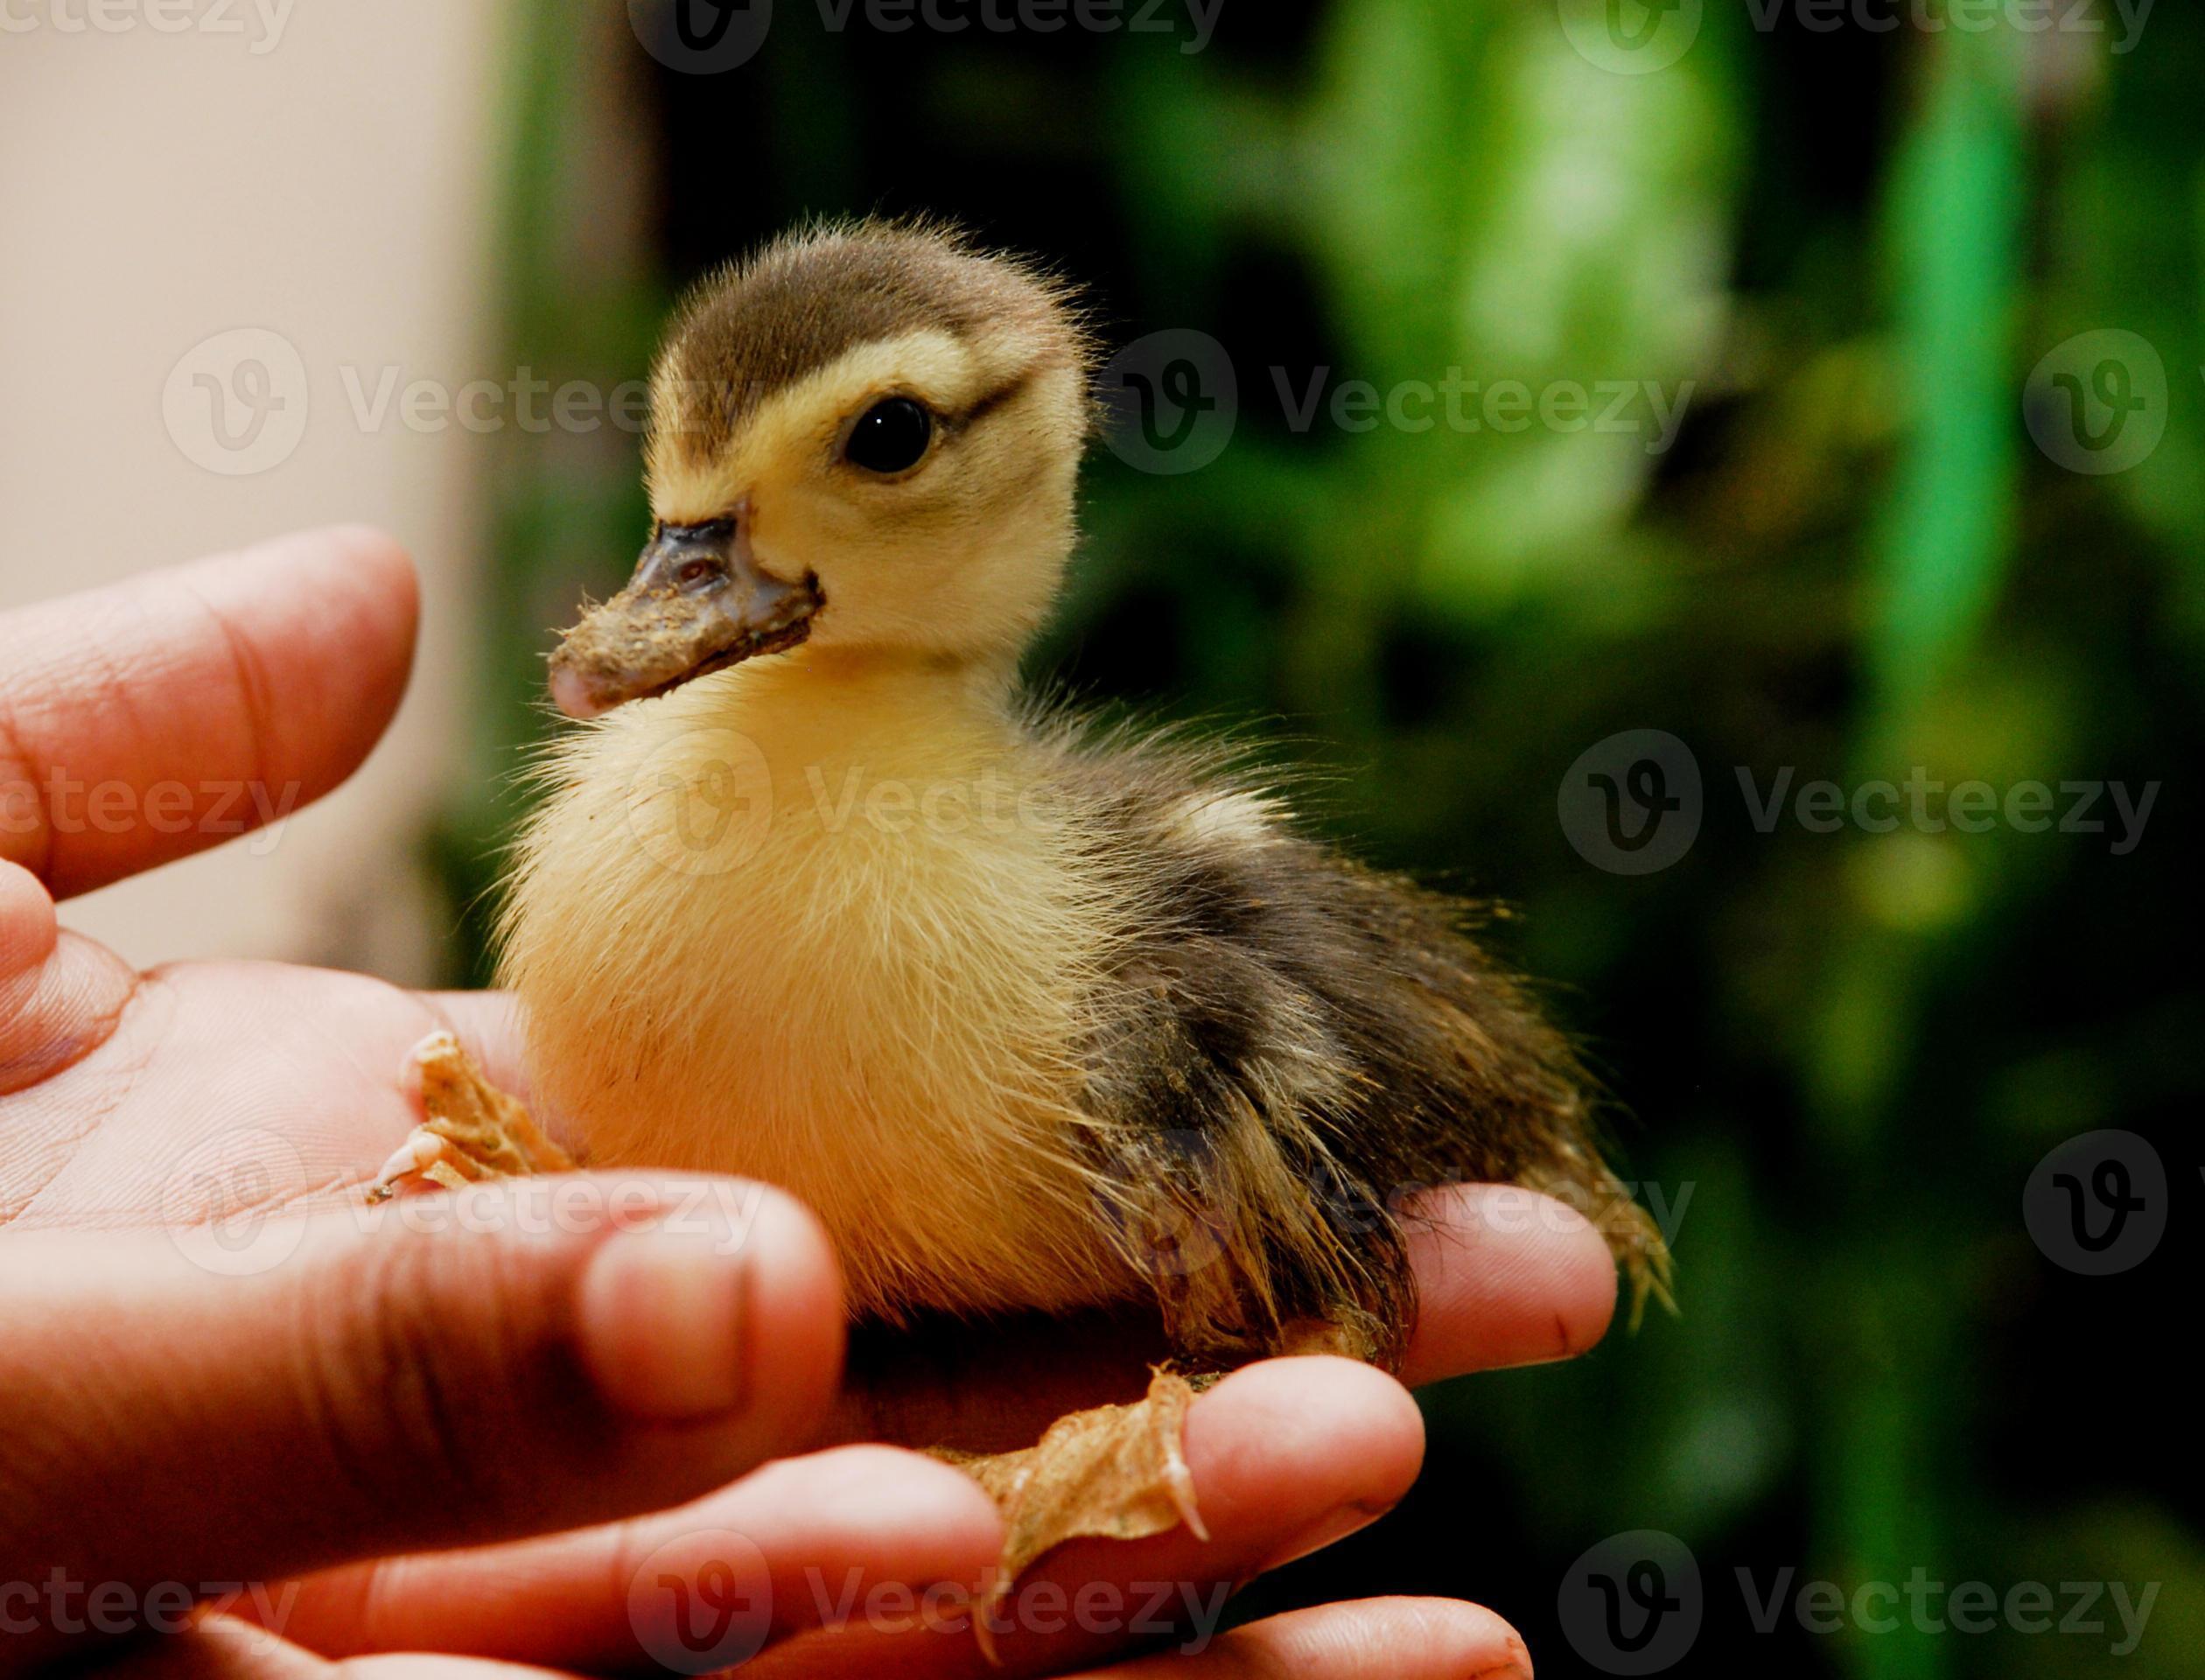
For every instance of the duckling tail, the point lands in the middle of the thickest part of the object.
(1633, 1235)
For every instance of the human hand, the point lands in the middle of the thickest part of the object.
(178, 1412)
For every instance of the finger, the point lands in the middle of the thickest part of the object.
(222, 1648)
(1505, 1277)
(60, 994)
(165, 714)
(488, 1022)
(241, 1403)
(1378, 1639)
(854, 1532)
(992, 1386)
(879, 1556)
(1287, 1456)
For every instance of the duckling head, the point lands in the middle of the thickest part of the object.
(865, 438)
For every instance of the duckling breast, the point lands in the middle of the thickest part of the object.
(853, 963)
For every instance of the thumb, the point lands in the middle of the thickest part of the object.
(446, 1371)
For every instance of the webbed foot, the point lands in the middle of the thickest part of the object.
(1116, 1472)
(473, 1130)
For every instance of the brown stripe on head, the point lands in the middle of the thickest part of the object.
(767, 323)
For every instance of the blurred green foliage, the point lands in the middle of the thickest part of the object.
(1844, 252)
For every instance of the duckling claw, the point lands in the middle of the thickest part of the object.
(472, 1130)
(1116, 1472)
(417, 1157)
(1179, 1482)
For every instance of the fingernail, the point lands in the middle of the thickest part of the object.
(661, 1320)
(1518, 1667)
(1333, 1527)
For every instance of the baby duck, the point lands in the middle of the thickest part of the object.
(1033, 1016)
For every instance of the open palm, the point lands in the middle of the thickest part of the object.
(281, 1387)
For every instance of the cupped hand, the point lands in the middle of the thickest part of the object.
(526, 1423)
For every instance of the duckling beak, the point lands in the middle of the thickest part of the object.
(698, 602)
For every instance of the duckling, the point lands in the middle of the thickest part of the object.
(1034, 1015)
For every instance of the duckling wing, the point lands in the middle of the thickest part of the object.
(1286, 1047)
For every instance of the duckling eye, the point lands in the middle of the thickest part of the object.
(889, 437)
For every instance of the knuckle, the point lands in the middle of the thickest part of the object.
(403, 1370)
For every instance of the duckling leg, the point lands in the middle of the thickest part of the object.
(1116, 1472)
(473, 1130)
(1328, 1336)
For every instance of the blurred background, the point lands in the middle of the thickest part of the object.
(1886, 460)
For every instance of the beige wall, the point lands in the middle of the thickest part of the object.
(325, 175)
